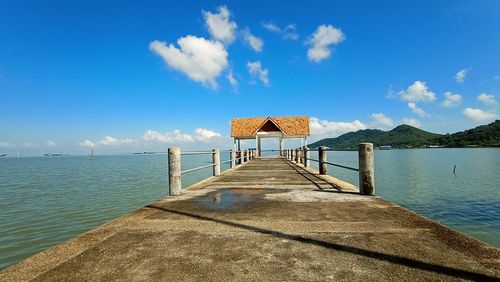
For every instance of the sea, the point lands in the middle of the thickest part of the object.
(47, 200)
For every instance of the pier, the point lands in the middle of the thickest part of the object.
(266, 219)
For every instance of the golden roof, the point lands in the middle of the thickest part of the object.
(291, 126)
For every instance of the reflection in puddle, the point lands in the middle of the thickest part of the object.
(228, 199)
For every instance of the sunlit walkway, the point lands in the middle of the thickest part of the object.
(266, 220)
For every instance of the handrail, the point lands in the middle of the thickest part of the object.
(197, 153)
(187, 153)
(196, 168)
(346, 167)
(301, 155)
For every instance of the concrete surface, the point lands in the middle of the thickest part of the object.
(266, 220)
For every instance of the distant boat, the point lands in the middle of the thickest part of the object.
(3, 155)
(385, 147)
(53, 155)
(91, 155)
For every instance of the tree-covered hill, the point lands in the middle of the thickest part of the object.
(406, 136)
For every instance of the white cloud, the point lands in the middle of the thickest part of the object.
(87, 143)
(232, 80)
(4, 144)
(289, 32)
(417, 92)
(412, 122)
(205, 135)
(417, 110)
(380, 120)
(111, 141)
(175, 136)
(200, 59)
(321, 40)
(478, 115)
(487, 99)
(50, 143)
(391, 93)
(460, 76)
(255, 42)
(256, 69)
(333, 128)
(271, 27)
(451, 100)
(220, 26)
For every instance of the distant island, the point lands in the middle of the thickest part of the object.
(406, 136)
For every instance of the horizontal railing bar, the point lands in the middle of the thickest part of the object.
(196, 168)
(313, 160)
(346, 167)
(228, 161)
(197, 153)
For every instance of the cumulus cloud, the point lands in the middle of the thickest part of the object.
(417, 92)
(232, 80)
(4, 144)
(200, 59)
(412, 122)
(253, 41)
(87, 143)
(321, 40)
(380, 120)
(478, 115)
(333, 128)
(487, 99)
(205, 135)
(220, 26)
(111, 141)
(460, 76)
(451, 100)
(175, 136)
(417, 110)
(256, 69)
(289, 32)
(50, 143)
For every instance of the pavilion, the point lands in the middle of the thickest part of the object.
(270, 127)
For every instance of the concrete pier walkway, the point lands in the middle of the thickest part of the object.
(266, 220)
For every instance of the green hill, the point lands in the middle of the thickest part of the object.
(406, 136)
(482, 136)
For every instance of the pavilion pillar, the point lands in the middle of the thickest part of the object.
(282, 145)
(259, 149)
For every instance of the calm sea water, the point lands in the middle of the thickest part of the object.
(46, 200)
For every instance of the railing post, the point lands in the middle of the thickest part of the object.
(322, 159)
(242, 155)
(216, 161)
(174, 171)
(232, 154)
(306, 156)
(248, 155)
(366, 169)
(296, 155)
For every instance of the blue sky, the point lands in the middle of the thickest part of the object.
(123, 76)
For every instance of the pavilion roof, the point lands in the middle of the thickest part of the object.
(290, 126)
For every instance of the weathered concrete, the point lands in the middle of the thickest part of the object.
(266, 220)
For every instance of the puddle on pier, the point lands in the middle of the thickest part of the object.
(230, 199)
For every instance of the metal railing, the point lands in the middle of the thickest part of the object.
(365, 160)
(175, 164)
